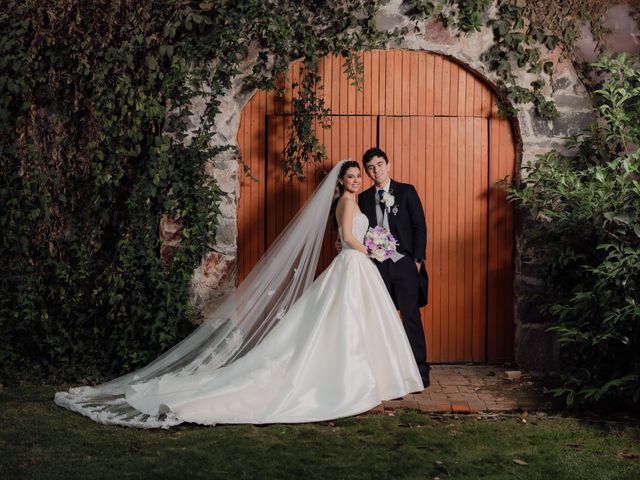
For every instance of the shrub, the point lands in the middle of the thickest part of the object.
(583, 209)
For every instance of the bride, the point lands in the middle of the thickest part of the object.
(282, 348)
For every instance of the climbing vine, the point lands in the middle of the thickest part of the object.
(100, 141)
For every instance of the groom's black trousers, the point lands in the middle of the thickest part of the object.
(401, 279)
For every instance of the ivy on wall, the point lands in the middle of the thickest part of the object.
(95, 102)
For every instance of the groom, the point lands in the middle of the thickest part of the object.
(397, 207)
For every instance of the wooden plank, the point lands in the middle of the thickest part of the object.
(442, 234)
(352, 139)
(363, 104)
(479, 241)
(398, 84)
(420, 184)
(434, 187)
(382, 88)
(478, 90)
(462, 92)
(453, 90)
(468, 238)
(437, 85)
(421, 85)
(485, 110)
(276, 209)
(354, 94)
(375, 83)
(429, 91)
(389, 76)
(257, 167)
(271, 175)
(460, 240)
(446, 87)
(344, 87)
(335, 84)
(470, 94)
(413, 83)
(405, 89)
(398, 140)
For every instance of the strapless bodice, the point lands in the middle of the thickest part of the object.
(359, 227)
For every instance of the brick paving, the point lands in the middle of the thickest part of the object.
(473, 389)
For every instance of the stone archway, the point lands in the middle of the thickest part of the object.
(533, 348)
(438, 123)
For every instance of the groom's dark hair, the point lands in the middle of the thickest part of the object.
(373, 152)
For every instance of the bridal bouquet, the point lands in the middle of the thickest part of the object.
(380, 243)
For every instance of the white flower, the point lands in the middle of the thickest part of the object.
(388, 200)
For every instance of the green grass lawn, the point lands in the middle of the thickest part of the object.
(40, 440)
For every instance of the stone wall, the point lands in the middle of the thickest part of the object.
(534, 348)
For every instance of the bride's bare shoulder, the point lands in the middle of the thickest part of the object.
(344, 200)
(346, 204)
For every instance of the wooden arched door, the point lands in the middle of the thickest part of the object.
(438, 124)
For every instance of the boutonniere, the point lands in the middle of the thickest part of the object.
(389, 201)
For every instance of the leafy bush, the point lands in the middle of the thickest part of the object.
(585, 227)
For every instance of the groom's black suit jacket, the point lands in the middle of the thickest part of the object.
(407, 288)
(406, 222)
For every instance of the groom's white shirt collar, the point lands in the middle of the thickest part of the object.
(385, 188)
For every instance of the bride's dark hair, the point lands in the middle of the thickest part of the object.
(340, 189)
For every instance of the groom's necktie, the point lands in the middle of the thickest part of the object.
(381, 209)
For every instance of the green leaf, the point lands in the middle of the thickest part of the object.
(152, 63)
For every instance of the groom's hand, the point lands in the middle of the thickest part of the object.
(338, 245)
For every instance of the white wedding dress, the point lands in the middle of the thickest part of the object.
(338, 351)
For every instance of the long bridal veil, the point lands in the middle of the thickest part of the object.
(240, 323)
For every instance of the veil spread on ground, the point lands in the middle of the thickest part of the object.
(240, 323)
